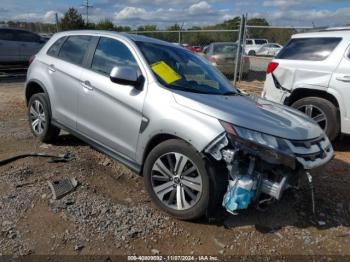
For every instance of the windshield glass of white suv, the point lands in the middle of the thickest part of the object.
(176, 68)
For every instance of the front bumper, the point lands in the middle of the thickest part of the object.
(312, 153)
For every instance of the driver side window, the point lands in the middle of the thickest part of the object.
(110, 53)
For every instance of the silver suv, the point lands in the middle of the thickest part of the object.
(169, 115)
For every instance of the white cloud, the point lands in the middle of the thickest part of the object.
(130, 12)
(49, 17)
(200, 8)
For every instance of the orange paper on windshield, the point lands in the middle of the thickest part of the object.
(165, 72)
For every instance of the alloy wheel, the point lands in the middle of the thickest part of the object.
(37, 117)
(176, 181)
(316, 114)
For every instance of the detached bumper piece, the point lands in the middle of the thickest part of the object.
(261, 175)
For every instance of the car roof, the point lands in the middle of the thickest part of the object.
(129, 36)
(16, 29)
(215, 43)
(337, 33)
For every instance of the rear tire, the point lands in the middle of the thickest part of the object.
(194, 203)
(321, 106)
(251, 53)
(39, 117)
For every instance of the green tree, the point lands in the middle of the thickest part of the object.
(121, 28)
(72, 20)
(105, 24)
(147, 28)
(257, 32)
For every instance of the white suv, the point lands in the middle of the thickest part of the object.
(253, 45)
(312, 73)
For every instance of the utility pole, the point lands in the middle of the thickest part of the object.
(87, 5)
(56, 18)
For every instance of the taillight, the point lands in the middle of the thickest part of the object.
(31, 59)
(271, 67)
(212, 59)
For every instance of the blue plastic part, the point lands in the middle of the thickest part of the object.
(237, 198)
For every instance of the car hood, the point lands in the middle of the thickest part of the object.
(253, 113)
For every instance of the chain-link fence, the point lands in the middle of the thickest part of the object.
(258, 44)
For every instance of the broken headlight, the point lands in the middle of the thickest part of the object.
(255, 136)
(270, 148)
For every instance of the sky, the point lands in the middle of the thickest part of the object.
(188, 12)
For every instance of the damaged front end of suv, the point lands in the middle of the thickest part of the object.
(261, 167)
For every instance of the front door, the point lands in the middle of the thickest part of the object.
(110, 113)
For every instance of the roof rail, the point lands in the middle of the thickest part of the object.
(337, 28)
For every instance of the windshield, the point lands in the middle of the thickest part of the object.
(179, 69)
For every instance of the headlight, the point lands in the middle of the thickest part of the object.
(256, 137)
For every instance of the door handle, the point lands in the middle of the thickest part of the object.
(52, 68)
(343, 78)
(87, 85)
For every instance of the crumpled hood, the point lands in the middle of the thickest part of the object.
(253, 113)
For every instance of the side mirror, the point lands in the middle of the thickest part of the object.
(126, 75)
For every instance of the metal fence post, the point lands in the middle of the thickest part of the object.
(243, 47)
(179, 37)
(239, 47)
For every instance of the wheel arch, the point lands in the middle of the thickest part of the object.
(154, 141)
(300, 93)
(34, 87)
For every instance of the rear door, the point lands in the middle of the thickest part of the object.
(30, 44)
(341, 82)
(110, 113)
(64, 67)
(9, 48)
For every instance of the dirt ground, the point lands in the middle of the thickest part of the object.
(110, 213)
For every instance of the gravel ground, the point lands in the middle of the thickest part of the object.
(110, 213)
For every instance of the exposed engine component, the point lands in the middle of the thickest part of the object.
(273, 189)
(261, 166)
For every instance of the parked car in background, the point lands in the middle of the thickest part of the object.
(270, 49)
(169, 115)
(252, 45)
(195, 48)
(17, 46)
(312, 74)
(222, 55)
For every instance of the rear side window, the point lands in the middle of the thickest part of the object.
(27, 37)
(225, 48)
(110, 53)
(74, 49)
(7, 35)
(310, 49)
(54, 49)
(260, 41)
(249, 42)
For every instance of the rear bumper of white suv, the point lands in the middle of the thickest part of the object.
(272, 92)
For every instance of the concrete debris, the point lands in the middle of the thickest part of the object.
(60, 188)
(155, 251)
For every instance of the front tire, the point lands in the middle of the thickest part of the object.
(176, 179)
(323, 112)
(39, 118)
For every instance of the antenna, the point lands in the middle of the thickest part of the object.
(87, 5)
